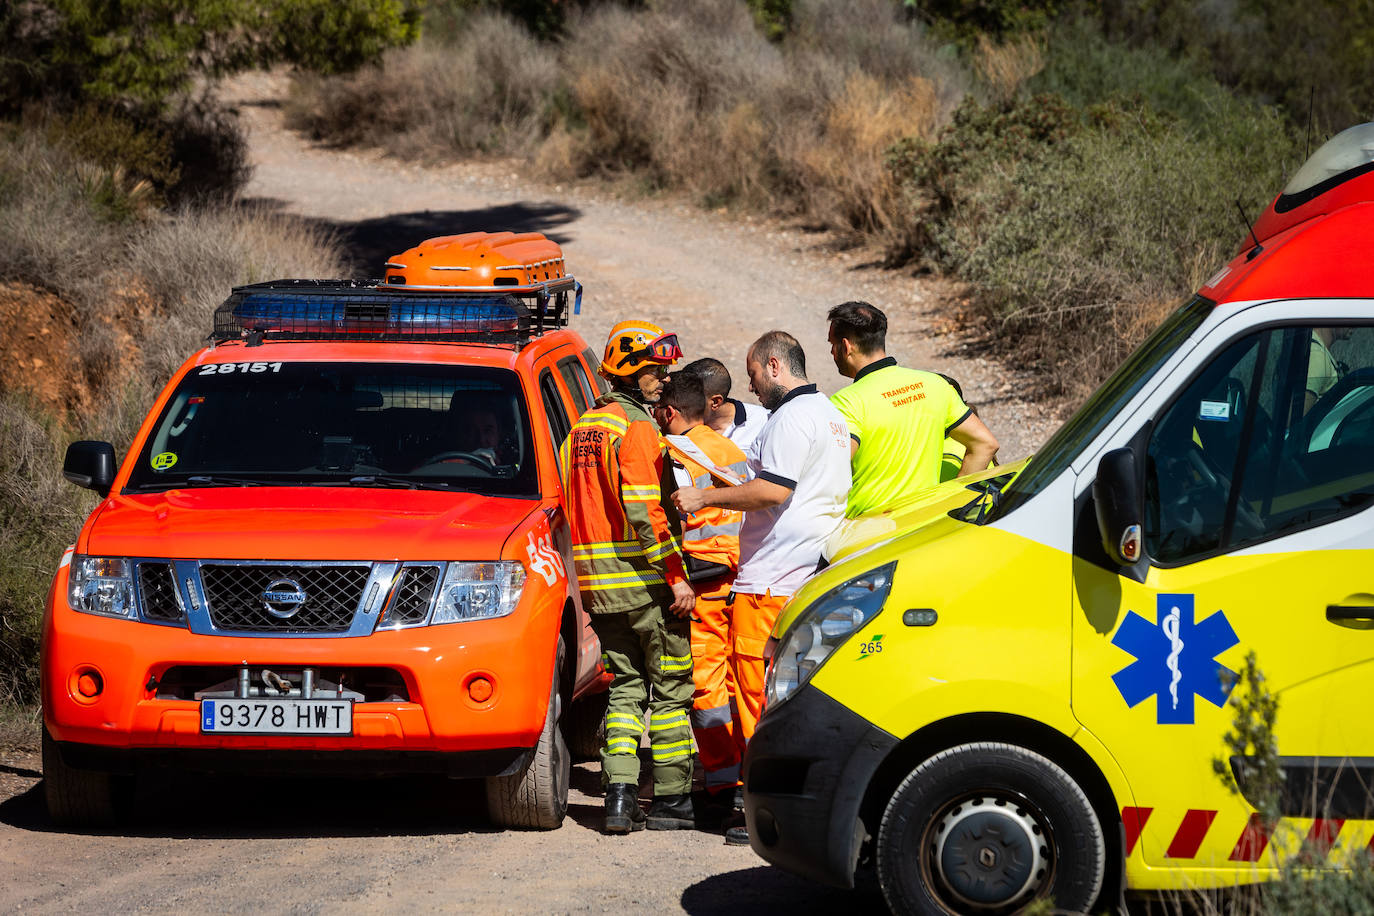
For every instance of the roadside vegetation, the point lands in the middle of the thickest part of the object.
(1077, 165)
(120, 233)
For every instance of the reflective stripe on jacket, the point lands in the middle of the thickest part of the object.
(712, 533)
(616, 483)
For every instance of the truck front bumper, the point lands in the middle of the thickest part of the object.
(806, 770)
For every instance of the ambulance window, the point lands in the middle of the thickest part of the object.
(1274, 436)
(578, 385)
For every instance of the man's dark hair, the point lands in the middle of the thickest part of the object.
(782, 346)
(682, 391)
(715, 378)
(958, 389)
(863, 325)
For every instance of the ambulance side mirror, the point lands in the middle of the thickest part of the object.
(90, 465)
(1120, 508)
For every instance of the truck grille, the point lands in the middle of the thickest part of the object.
(286, 599)
(159, 591)
(413, 595)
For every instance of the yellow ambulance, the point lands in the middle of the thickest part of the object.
(1014, 688)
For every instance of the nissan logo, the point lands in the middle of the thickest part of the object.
(283, 598)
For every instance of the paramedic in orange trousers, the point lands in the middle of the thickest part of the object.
(710, 543)
(795, 501)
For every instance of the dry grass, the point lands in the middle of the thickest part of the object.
(141, 292)
(688, 98)
(1004, 68)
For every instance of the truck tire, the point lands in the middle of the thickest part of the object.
(535, 797)
(80, 798)
(585, 726)
(987, 828)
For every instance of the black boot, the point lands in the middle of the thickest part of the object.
(672, 812)
(736, 830)
(623, 813)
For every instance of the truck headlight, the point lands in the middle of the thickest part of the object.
(102, 585)
(477, 591)
(823, 627)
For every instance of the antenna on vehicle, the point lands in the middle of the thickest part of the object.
(1249, 228)
(1311, 103)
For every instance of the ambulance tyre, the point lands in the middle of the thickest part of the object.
(536, 797)
(987, 828)
(80, 798)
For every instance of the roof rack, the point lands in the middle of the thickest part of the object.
(368, 310)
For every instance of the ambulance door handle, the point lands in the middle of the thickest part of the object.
(1344, 614)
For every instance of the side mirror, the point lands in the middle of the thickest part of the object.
(1120, 509)
(90, 465)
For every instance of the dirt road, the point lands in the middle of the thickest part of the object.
(222, 845)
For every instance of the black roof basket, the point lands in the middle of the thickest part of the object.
(368, 310)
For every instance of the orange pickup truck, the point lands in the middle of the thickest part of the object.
(337, 542)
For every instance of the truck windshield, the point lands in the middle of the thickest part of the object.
(342, 424)
(1104, 404)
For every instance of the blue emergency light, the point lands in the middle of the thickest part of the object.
(357, 310)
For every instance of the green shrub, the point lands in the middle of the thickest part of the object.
(1307, 57)
(144, 52)
(1073, 225)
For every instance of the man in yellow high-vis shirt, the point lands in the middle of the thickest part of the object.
(898, 418)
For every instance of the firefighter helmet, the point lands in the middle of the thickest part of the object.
(634, 345)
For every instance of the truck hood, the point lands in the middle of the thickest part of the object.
(304, 523)
(921, 508)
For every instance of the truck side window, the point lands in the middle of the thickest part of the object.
(557, 415)
(1275, 435)
(602, 386)
(578, 385)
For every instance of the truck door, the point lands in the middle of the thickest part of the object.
(1259, 532)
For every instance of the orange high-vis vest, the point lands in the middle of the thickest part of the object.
(711, 533)
(617, 483)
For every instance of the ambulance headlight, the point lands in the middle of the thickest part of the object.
(102, 585)
(477, 591)
(822, 628)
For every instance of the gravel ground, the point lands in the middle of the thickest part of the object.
(304, 846)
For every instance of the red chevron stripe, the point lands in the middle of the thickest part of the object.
(1253, 841)
(1323, 834)
(1190, 834)
(1133, 819)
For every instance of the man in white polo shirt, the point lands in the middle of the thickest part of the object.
(795, 501)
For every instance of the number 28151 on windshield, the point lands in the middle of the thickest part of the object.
(276, 717)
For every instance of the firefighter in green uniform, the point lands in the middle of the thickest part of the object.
(628, 557)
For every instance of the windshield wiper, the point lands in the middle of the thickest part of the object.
(404, 483)
(223, 480)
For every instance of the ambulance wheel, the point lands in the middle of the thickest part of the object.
(80, 798)
(585, 726)
(987, 828)
(536, 797)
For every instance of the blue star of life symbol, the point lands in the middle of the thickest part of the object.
(1175, 659)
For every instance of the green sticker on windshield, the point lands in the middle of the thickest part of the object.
(164, 461)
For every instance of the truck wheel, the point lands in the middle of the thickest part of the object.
(987, 828)
(536, 797)
(80, 798)
(585, 726)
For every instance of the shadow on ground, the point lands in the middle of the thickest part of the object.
(368, 243)
(766, 889)
(181, 805)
